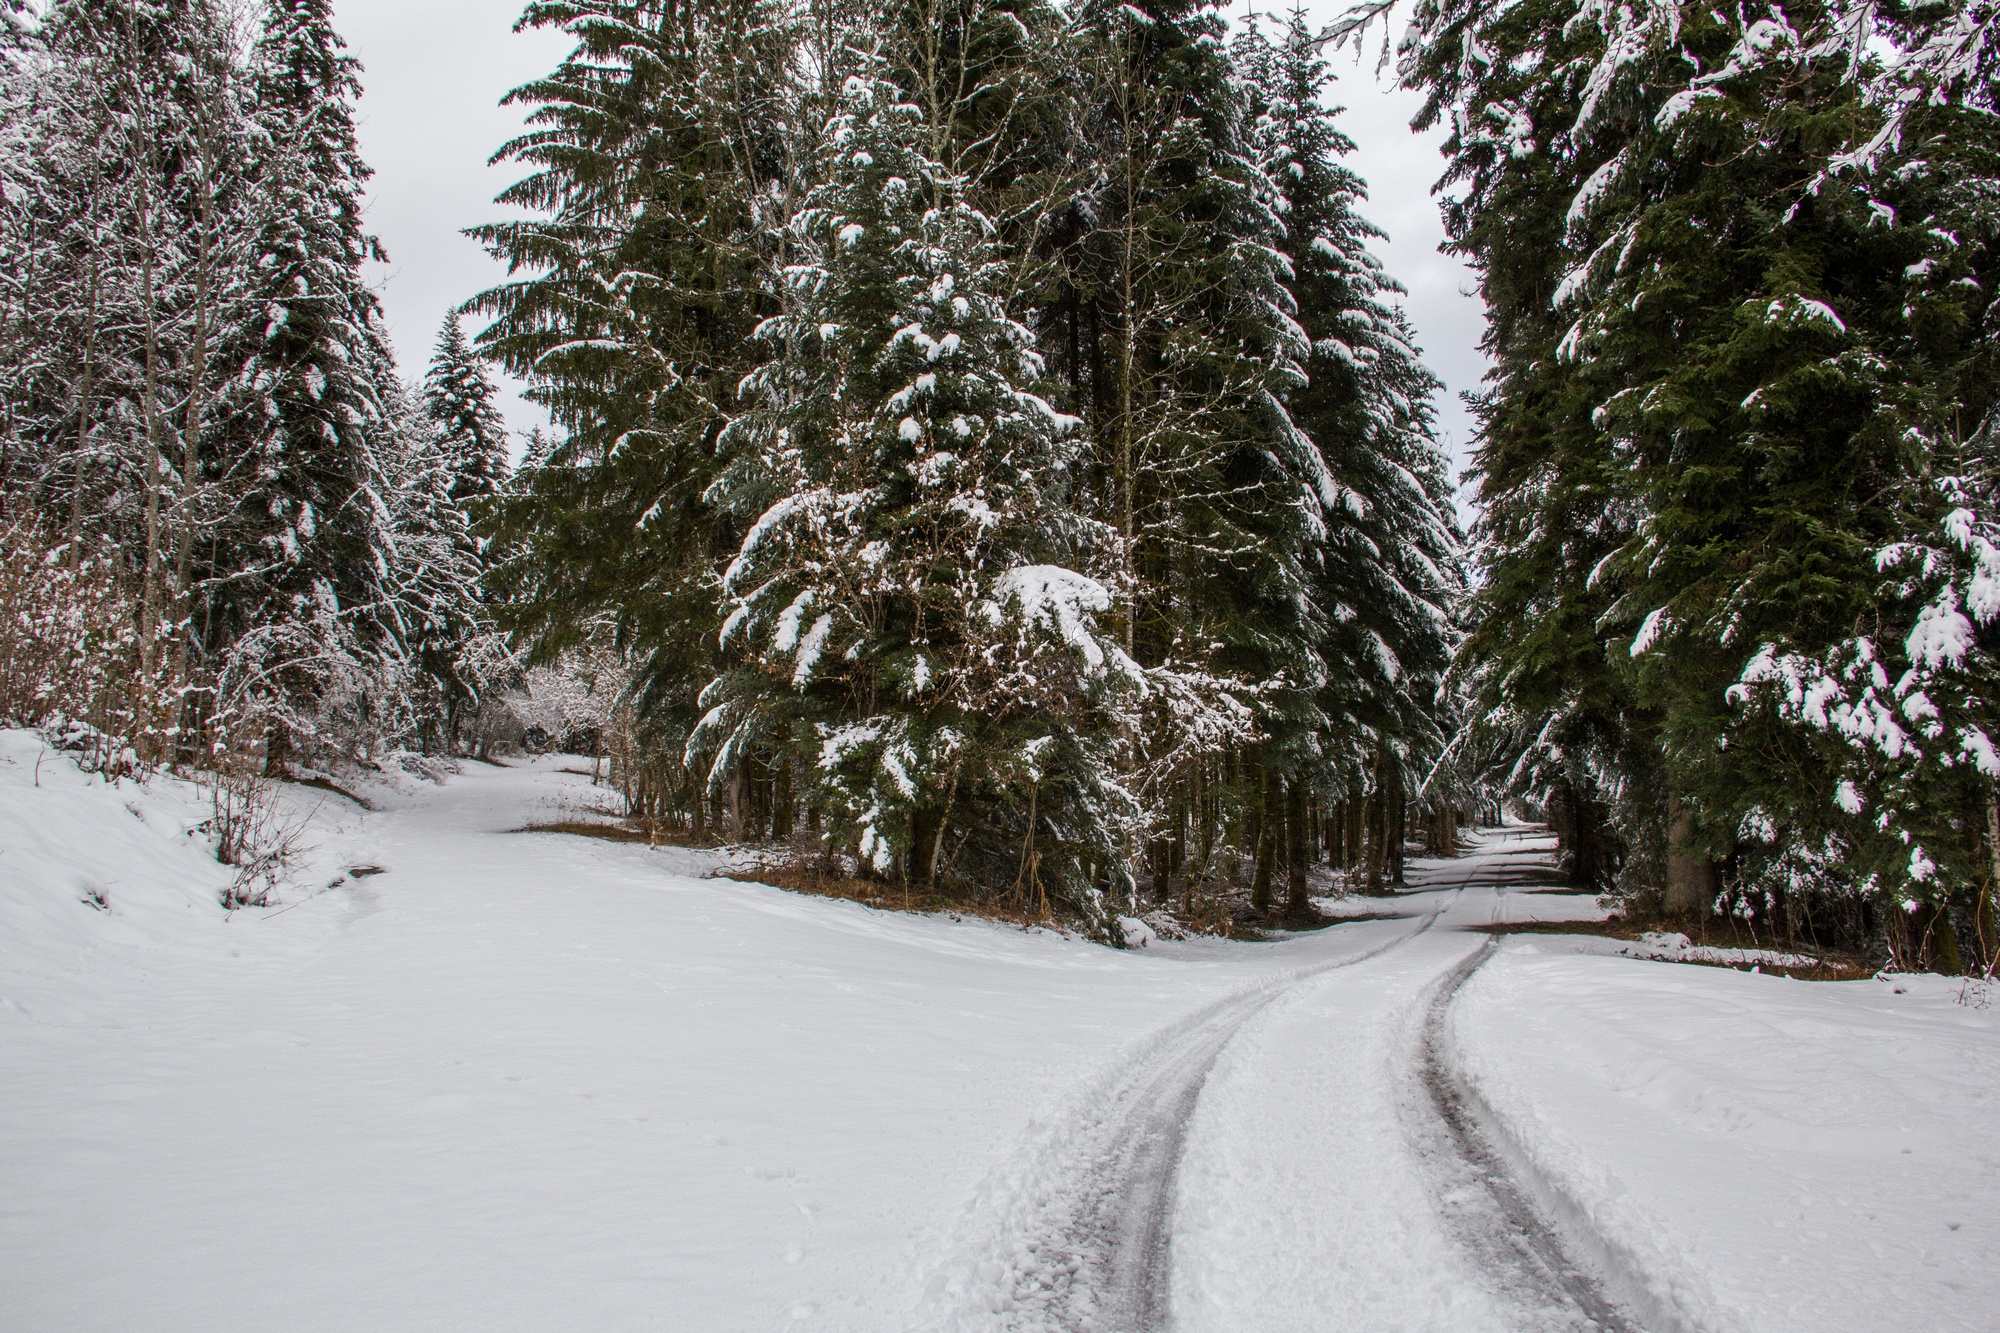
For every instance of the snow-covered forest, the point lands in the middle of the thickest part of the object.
(988, 452)
(988, 438)
(985, 438)
(205, 434)
(658, 868)
(1738, 541)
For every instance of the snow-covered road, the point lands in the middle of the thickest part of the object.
(1333, 1167)
(537, 1082)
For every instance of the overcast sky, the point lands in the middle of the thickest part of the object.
(437, 69)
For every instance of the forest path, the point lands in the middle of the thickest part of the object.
(1302, 1155)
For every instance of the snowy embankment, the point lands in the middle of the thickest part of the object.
(1774, 1155)
(517, 1081)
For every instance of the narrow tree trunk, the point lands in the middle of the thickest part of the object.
(1268, 827)
(1399, 833)
(1993, 882)
(195, 420)
(151, 592)
(1690, 874)
(1295, 829)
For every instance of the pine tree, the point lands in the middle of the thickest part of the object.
(1555, 716)
(125, 226)
(905, 606)
(1171, 327)
(458, 398)
(432, 581)
(311, 406)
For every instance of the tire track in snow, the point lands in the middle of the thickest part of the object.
(1539, 1250)
(1101, 1255)
(1488, 1210)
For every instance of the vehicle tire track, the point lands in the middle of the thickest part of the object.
(1111, 1256)
(1490, 1209)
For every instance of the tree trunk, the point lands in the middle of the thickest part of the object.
(1268, 826)
(1691, 884)
(1295, 829)
(1398, 833)
(1376, 835)
(1993, 870)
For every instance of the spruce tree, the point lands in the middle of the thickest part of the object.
(308, 619)
(1170, 324)
(432, 580)
(906, 609)
(470, 434)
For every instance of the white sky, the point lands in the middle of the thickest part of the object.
(436, 70)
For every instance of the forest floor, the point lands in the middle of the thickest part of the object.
(536, 1082)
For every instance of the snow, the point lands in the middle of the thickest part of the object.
(533, 1081)
(1649, 632)
(1061, 600)
(1673, 947)
(1781, 1155)
(518, 1081)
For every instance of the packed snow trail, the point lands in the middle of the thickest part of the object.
(1107, 1240)
(1148, 1208)
(1334, 1179)
(1489, 1207)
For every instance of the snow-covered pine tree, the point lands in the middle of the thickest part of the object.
(195, 381)
(1905, 793)
(432, 582)
(1387, 569)
(913, 610)
(304, 611)
(470, 433)
(1552, 712)
(663, 158)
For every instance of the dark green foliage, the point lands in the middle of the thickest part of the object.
(1718, 414)
(471, 436)
(1241, 517)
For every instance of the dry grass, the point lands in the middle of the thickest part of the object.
(624, 830)
(1831, 966)
(796, 878)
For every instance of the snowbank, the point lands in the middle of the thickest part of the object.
(1776, 1155)
(518, 1081)
(87, 864)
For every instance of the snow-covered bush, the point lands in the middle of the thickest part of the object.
(567, 705)
(252, 832)
(69, 648)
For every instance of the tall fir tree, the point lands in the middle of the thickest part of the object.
(471, 435)
(905, 611)
(309, 619)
